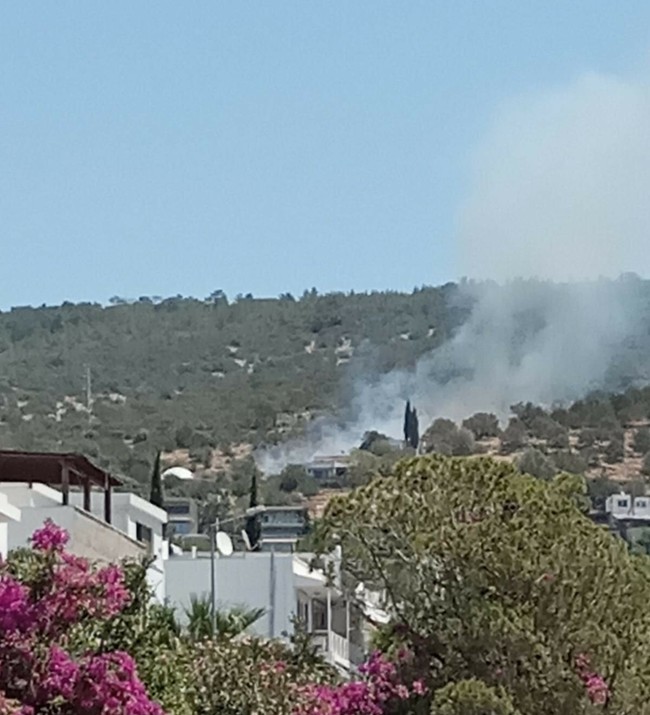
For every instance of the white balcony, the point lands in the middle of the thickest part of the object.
(335, 648)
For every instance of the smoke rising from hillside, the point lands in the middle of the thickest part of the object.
(560, 184)
(559, 193)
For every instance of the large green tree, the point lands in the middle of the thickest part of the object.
(497, 578)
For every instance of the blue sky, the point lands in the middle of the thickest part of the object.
(156, 148)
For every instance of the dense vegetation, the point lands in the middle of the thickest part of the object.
(508, 596)
(205, 381)
(199, 374)
(78, 638)
(502, 597)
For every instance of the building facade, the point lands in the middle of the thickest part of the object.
(281, 527)
(76, 495)
(328, 470)
(182, 515)
(289, 591)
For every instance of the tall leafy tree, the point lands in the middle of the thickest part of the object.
(502, 587)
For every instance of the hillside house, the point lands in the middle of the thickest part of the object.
(328, 469)
(628, 516)
(182, 515)
(281, 527)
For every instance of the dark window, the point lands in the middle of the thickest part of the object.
(319, 614)
(143, 533)
(182, 527)
(622, 503)
(178, 509)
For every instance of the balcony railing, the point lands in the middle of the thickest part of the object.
(335, 648)
(340, 650)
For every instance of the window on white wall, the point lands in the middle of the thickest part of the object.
(144, 534)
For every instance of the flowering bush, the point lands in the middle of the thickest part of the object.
(50, 537)
(82, 639)
(595, 686)
(45, 598)
(87, 640)
(380, 687)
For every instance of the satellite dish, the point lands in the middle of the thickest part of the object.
(246, 540)
(224, 543)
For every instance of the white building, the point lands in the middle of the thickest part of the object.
(328, 469)
(623, 506)
(103, 525)
(143, 523)
(108, 526)
(8, 513)
(287, 588)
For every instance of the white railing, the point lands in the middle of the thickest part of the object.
(340, 649)
(333, 647)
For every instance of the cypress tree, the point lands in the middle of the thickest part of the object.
(252, 526)
(407, 422)
(415, 430)
(156, 494)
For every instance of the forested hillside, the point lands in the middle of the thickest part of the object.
(181, 373)
(206, 381)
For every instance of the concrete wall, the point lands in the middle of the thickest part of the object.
(129, 510)
(38, 495)
(89, 536)
(4, 538)
(8, 514)
(242, 579)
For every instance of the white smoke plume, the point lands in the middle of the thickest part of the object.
(559, 193)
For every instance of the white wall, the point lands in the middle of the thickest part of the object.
(38, 495)
(129, 510)
(8, 514)
(642, 507)
(4, 538)
(89, 537)
(243, 579)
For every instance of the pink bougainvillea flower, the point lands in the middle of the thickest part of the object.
(595, 685)
(373, 695)
(15, 609)
(35, 619)
(50, 537)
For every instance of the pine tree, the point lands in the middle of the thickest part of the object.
(156, 494)
(252, 526)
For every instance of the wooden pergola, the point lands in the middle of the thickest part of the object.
(60, 470)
